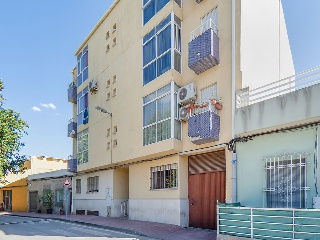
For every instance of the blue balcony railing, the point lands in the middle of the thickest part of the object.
(72, 164)
(72, 93)
(204, 47)
(204, 127)
(72, 128)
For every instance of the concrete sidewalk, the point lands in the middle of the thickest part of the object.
(147, 229)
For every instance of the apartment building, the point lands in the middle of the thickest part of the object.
(153, 94)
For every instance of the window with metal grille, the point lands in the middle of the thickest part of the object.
(82, 145)
(286, 182)
(78, 186)
(93, 184)
(164, 176)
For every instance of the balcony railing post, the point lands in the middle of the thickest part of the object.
(251, 218)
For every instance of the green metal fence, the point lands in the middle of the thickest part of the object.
(267, 223)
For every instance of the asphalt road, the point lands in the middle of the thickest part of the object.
(24, 228)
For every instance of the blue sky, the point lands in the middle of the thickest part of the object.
(38, 40)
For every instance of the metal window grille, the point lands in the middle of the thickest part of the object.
(286, 181)
(163, 177)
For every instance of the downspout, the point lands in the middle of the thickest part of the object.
(233, 92)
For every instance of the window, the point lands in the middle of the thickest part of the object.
(115, 142)
(47, 198)
(151, 7)
(108, 145)
(114, 92)
(82, 145)
(206, 94)
(158, 49)
(108, 83)
(107, 35)
(286, 182)
(114, 79)
(93, 184)
(107, 48)
(114, 42)
(114, 28)
(115, 129)
(59, 197)
(165, 176)
(108, 96)
(82, 106)
(108, 132)
(78, 186)
(82, 65)
(159, 118)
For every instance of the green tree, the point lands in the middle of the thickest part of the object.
(12, 129)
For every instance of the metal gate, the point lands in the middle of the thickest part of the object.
(7, 199)
(33, 201)
(206, 186)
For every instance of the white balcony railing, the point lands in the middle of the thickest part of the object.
(290, 84)
(202, 28)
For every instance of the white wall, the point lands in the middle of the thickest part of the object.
(169, 211)
(260, 42)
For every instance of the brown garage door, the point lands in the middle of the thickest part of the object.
(207, 183)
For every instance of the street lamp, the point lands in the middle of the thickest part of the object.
(110, 114)
(103, 110)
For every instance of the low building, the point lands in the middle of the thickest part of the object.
(47, 192)
(14, 193)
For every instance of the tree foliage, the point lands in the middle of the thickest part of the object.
(12, 129)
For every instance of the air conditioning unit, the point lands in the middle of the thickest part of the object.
(187, 94)
(93, 86)
(183, 113)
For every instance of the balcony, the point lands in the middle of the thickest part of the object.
(72, 128)
(72, 93)
(204, 127)
(204, 47)
(72, 164)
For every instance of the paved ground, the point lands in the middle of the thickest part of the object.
(18, 228)
(142, 228)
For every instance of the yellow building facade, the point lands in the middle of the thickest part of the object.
(149, 137)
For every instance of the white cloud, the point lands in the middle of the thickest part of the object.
(36, 109)
(48, 105)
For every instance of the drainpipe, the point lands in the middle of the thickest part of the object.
(233, 92)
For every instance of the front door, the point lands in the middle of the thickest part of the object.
(7, 199)
(206, 186)
(33, 203)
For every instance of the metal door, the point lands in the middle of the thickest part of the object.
(207, 184)
(205, 189)
(33, 201)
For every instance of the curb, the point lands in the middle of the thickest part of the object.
(118, 229)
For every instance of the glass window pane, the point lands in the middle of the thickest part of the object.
(149, 51)
(149, 113)
(149, 135)
(149, 35)
(85, 75)
(149, 11)
(177, 130)
(163, 23)
(164, 63)
(164, 90)
(164, 40)
(150, 97)
(149, 73)
(164, 107)
(161, 4)
(177, 61)
(164, 130)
